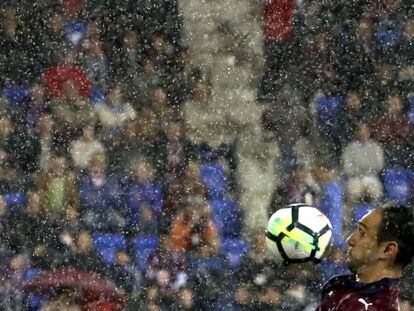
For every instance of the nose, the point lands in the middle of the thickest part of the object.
(351, 239)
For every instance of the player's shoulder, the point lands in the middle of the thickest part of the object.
(349, 281)
(355, 302)
(380, 295)
(343, 278)
(338, 281)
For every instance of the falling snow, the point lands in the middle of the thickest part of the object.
(145, 144)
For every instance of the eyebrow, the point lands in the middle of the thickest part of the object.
(363, 225)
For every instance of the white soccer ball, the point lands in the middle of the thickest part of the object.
(298, 233)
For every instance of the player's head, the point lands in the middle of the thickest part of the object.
(383, 237)
(398, 225)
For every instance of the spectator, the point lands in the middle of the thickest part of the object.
(4, 105)
(297, 188)
(363, 160)
(193, 230)
(278, 36)
(24, 228)
(330, 201)
(161, 54)
(144, 199)
(181, 231)
(70, 116)
(85, 147)
(387, 33)
(11, 145)
(193, 189)
(14, 53)
(128, 67)
(126, 275)
(163, 17)
(168, 115)
(392, 130)
(166, 270)
(353, 113)
(52, 43)
(175, 152)
(101, 197)
(357, 55)
(204, 239)
(73, 8)
(184, 77)
(381, 86)
(65, 301)
(185, 299)
(92, 34)
(208, 271)
(299, 288)
(22, 147)
(37, 105)
(159, 98)
(258, 154)
(32, 232)
(66, 70)
(147, 79)
(148, 126)
(321, 62)
(257, 283)
(71, 225)
(3, 213)
(79, 254)
(45, 135)
(113, 113)
(96, 65)
(287, 131)
(140, 139)
(406, 52)
(11, 290)
(57, 189)
(365, 51)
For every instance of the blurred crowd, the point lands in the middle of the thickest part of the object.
(104, 168)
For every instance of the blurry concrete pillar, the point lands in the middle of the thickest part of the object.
(257, 165)
(225, 41)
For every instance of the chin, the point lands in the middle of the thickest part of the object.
(351, 267)
(350, 263)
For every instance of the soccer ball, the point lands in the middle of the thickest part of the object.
(298, 233)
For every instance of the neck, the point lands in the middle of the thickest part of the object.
(11, 32)
(409, 36)
(376, 273)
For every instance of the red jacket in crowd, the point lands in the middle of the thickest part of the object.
(57, 75)
(278, 20)
(72, 8)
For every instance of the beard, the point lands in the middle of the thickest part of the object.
(352, 266)
(356, 263)
(352, 263)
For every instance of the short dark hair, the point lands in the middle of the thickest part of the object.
(398, 225)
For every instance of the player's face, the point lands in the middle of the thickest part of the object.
(363, 244)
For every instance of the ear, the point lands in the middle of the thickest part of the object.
(389, 250)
